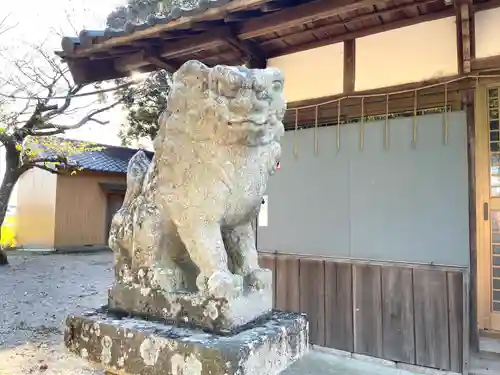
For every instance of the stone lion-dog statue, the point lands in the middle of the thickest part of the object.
(187, 220)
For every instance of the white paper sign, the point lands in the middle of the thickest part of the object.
(263, 212)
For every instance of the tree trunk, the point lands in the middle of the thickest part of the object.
(3, 258)
(12, 173)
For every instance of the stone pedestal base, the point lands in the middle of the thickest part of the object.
(192, 309)
(135, 346)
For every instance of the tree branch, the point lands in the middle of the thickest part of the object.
(46, 133)
(67, 102)
(45, 168)
(3, 23)
(96, 92)
(84, 120)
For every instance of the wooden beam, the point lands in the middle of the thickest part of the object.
(485, 63)
(486, 5)
(324, 30)
(270, 7)
(251, 51)
(364, 32)
(409, 88)
(198, 43)
(300, 14)
(242, 16)
(88, 71)
(141, 59)
(162, 64)
(130, 62)
(204, 26)
(349, 66)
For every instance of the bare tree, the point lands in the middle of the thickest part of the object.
(38, 102)
(4, 26)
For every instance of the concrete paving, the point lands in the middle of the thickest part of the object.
(37, 292)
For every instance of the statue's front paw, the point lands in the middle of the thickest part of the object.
(224, 285)
(259, 279)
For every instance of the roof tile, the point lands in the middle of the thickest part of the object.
(110, 159)
(70, 43)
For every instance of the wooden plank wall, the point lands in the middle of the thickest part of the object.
(401, 313)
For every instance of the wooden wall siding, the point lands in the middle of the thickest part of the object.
(81, 206)
(36, 216)
(401, 313)
(338, 306)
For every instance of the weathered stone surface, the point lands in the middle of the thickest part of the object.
(184, 239)
(186, 221)
(217, 315)
(139, 347)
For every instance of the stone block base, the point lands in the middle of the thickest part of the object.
(192, 309)
(134, 346)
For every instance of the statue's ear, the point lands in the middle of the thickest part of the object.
(226, 80)
(192, 70)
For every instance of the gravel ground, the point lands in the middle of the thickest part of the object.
(37, 292)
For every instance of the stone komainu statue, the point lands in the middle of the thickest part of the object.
(186, 220)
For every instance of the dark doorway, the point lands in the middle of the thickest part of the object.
(115, 202)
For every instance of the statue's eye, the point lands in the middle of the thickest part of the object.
(277, 86)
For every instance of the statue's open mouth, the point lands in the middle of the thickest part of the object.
(278, 165)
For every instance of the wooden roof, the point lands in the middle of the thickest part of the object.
(236, 31)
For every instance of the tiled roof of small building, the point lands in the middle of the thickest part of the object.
(100, 158)
(112, 159)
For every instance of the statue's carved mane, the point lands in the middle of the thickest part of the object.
(233, 105)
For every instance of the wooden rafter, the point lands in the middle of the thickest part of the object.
(130, 62)
(241, 16)
(250, 51)
(138, 60)
(364, 32)
(211, 39)
(298, 15)
(486, 63)
(325, 29)
(162, 64)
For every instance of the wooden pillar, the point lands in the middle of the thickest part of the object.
(465, 54)
(465, 37)
(349, 66)
(469, 107)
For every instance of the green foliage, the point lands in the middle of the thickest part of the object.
(54, 153)
(144, 103)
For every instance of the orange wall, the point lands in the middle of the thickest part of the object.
(81, 206)
(36, 203)
(486, 32)
(312, 73)
(414, 53)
